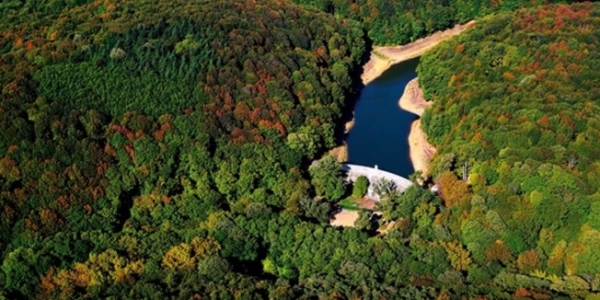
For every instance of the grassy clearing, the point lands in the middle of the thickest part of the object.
(350, 203)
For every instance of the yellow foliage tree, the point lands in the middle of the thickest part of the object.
(213, 220)
(179, 257)
(589, 240)
(458, 256)
(205, 247)
(97, 270)
(109, 264)
(574, 249)
(556, 259)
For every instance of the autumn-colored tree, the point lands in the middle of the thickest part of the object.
(204, 247)
(528, 261)
(452, 190)
(179, 257)
(499, 251)
(457, 255)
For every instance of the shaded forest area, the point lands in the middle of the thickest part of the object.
(160, 149)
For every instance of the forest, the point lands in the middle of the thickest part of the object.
(162, 150)
(515, 114)
(400, 22)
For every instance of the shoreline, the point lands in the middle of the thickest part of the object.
(413, 100)
(382, 58)
(421, 151)
(340, 152)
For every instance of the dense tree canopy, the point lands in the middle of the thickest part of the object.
(400, 22)
(161, 150)
(515, 99)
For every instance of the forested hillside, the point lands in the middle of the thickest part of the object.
(154, 149)
(161, 150)
(400, 22)
(516, 114)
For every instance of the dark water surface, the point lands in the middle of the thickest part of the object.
(381, 128)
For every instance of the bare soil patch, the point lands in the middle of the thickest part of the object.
(386, 227)
(345, 218)
(366, 203)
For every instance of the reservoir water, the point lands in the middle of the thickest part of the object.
(380, 133)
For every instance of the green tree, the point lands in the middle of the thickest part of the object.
(305, 140)
(19, 267)
(316, 209)
(384, 188)
(361, 185)
(365, 220)
(214, 267)
(327, 177)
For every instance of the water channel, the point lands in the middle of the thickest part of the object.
(380, 133)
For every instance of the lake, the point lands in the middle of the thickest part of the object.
(380, 133)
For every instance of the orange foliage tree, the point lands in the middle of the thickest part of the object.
(452, 190)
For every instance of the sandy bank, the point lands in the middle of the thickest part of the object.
(384, 57)
(412, 99)
(421, 151)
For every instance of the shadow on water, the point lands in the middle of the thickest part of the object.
(380, 133)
